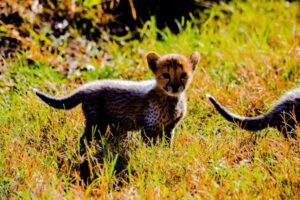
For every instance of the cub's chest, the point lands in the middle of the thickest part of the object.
(164, 114)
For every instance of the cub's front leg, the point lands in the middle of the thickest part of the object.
(170, 130)
(151, 133)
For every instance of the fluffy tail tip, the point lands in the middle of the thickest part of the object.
(208, 96)
(35, 90)
(211, 98)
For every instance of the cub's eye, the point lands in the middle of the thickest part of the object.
(166, 75)
(183, 76)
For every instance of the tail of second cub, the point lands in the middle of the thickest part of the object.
(67, 102)
(248, 123)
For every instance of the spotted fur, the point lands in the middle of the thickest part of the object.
(284, 116)
(155, 106)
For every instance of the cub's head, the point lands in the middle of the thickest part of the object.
(173, 73)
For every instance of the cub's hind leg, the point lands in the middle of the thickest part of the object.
(96, 122)
(92, 130)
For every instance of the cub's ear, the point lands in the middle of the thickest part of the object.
(152, 59)
(194, 59)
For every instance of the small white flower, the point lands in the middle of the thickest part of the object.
(90, 67)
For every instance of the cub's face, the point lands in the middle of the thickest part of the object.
(173, 73)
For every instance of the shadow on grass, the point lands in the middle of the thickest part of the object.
(103, 161)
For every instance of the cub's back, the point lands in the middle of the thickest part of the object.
(117, 99)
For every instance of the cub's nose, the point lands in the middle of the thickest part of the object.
(175, 88)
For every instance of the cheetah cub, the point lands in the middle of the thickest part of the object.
(284, 115)
(155, 106)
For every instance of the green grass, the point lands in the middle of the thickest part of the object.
(249, 58)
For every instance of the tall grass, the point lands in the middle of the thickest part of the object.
(249, 58)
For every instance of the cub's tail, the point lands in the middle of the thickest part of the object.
(248, 123)
(67, 102)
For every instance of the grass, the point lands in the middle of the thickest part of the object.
(249, 58)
